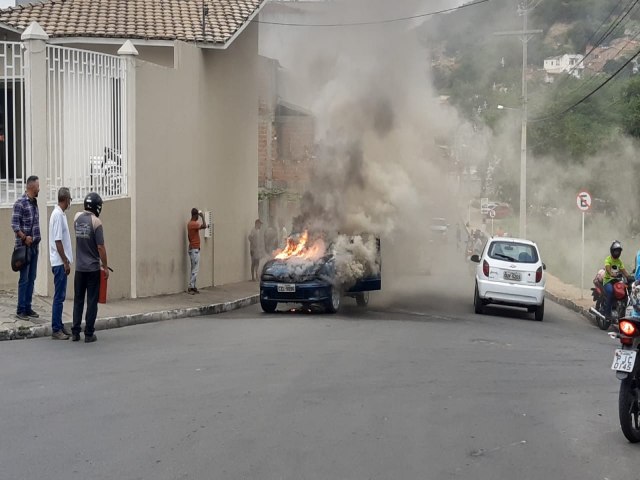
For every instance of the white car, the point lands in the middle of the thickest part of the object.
(439, 226)
(510, 272)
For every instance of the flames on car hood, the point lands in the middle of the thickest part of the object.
(342, 261)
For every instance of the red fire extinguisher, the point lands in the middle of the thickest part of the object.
(102, 296)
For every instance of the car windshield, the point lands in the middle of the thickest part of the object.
(513, 252)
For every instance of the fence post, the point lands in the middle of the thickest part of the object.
(36, 159)
(128, 52)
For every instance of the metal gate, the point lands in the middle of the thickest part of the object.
(86, 122)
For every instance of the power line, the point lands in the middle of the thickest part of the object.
(378, 22)
(593, 92)
(593, 35)
(614, 25)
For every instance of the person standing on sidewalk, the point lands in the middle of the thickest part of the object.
(193, 232)
(256, 248)
(25, 223)
(91, 257)
(61, 257)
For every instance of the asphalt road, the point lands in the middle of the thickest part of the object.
(415, 387)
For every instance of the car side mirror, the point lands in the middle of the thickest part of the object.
(544, 267)
(475, 258)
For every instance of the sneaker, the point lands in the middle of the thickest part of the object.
(65, 331)
(90, 338)
(75, 337)
(191, 291)
(195, 290)
(22, 316)
(32, 314)
(60, 335)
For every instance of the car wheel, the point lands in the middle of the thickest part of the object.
(477, 302)
(333, 304)
(539, 313)
(269, 306)
(362, 299)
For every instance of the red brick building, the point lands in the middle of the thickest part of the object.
(286, 135)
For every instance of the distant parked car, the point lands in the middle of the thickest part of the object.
(502, 210)
(439, 226)
(510, 272)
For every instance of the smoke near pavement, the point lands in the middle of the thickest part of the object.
(381, 166)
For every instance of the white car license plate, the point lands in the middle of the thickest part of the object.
(286, 288)
(512, 276)
(623, 360)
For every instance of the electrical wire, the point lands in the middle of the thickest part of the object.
(378, 22)
(593, 92)
(593, 35)
(615, 24)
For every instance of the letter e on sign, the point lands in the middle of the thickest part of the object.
(584, 201)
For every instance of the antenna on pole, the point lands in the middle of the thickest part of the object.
(205, 12)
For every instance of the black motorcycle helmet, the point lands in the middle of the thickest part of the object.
(93, 203)
(616, 249)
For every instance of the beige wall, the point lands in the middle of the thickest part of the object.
(196, 145)
(116, 217)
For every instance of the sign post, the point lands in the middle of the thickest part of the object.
(584, 203)
(492, 214)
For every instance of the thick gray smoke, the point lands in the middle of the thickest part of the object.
(380, 168)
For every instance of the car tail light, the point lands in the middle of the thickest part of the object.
(628, 328)
(485, 268)
(538, 274)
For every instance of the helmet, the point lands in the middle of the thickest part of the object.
(93, 203)
(616, 245)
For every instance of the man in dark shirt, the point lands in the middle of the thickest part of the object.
(25, 223)
(91, 256)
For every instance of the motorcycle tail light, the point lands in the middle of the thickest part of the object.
(485, 268)
(538, 274)
(628, 328)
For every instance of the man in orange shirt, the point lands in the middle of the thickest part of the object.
(193, 231)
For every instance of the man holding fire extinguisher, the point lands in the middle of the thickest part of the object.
(91, 258)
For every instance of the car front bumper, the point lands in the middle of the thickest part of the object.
(309, 292)
(510, 294)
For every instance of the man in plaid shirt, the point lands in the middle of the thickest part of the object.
(25, 223)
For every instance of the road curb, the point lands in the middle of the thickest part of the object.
(107, 323)
(565, 302)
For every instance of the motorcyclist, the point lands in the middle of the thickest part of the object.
(613, 267)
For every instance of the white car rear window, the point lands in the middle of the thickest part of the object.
(513, 252)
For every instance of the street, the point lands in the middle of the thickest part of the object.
(416, 386)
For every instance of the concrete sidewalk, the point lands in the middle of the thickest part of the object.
(121, 313)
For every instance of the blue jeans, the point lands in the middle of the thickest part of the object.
(60, 293)
(26, 282)
(194, 255)
(608, 298)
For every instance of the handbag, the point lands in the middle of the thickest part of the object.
(20, 258)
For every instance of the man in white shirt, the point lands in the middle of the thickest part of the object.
(61, 257)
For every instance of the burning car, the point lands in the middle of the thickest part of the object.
(307, 271)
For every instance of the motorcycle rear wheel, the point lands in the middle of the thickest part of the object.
(629, 409)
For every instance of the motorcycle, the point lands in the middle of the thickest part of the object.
(628, 372)
(620, 302)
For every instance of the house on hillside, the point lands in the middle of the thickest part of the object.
(571, 64)
(154, 105)
(623, 47)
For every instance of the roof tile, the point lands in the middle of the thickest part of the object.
(142, 19)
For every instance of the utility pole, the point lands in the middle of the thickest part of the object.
(525, 35)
